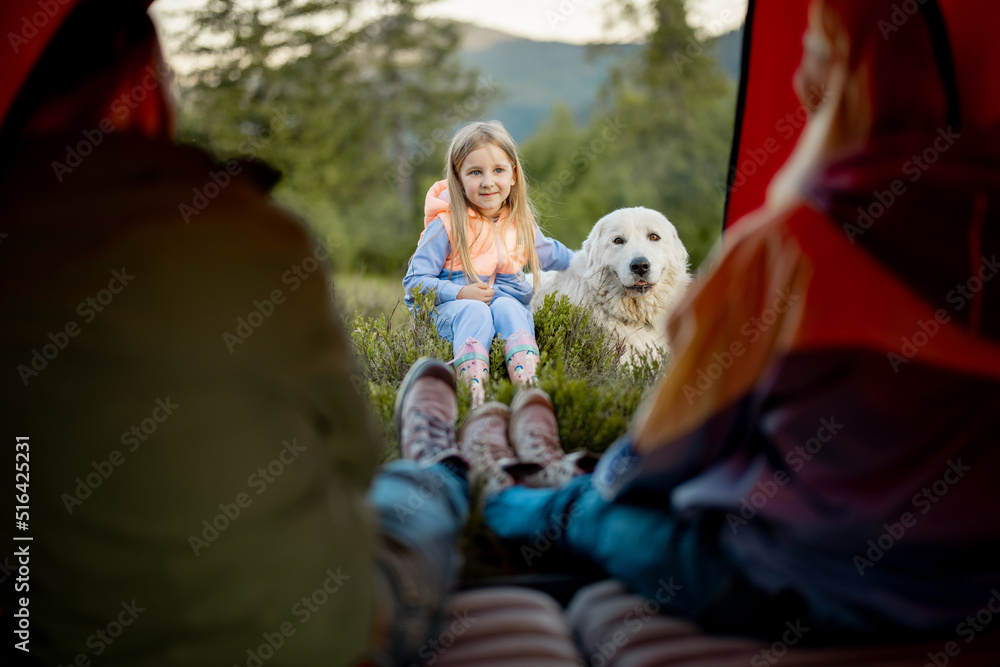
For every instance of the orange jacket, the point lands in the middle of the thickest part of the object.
(493, 245)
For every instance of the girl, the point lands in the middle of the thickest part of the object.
(473, 253)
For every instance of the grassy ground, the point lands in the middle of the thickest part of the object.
(369, 296)
(594, 396)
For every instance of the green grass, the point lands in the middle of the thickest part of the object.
(366, 295)
(593, 394)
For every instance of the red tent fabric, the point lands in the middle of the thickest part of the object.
(972, 28)
(769, 117)
(47, 66)
(28, 27)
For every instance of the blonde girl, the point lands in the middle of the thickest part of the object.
(479, 234)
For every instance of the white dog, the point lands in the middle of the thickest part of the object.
(630, 274)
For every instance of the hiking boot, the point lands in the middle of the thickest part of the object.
(425, 413)
(483, 442)
(534, 435)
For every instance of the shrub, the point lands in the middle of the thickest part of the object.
(594, 395)
(385, 353)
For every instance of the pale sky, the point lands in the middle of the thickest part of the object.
(574, 21)
(577, 21)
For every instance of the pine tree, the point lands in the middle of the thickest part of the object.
(351, 99)
(659, 137)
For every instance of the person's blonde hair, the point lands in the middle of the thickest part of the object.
(468, 138)
(861, 101)
(828, 127)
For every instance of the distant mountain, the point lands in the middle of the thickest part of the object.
(476, 38)
(535, 76)
(729, 52)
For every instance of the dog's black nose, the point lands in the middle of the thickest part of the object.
(640, 266)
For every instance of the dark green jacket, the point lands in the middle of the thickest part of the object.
(199, 456)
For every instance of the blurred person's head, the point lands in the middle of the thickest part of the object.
(863, 78)
(103, 71)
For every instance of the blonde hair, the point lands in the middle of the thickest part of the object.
(829, 127)
(865, 96)
(470, 137)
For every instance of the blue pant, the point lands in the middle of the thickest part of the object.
(675, 562)
(421, 513)
(462, 319)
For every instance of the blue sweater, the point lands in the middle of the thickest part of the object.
(426, 268)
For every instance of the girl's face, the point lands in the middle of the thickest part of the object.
(487, 175)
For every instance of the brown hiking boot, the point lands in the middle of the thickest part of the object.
(483, 442)
(425, 413)
(534, 433)
(534, 436)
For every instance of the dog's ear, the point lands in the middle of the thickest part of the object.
(592, 251)
(591, 247)
(588, 244)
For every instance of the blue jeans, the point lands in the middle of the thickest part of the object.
(462, 319)
(677, 563)
(421, 514)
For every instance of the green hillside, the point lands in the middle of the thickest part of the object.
(537, 76)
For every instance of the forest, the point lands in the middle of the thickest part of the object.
(355, 102)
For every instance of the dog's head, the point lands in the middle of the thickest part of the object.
(636, 263)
